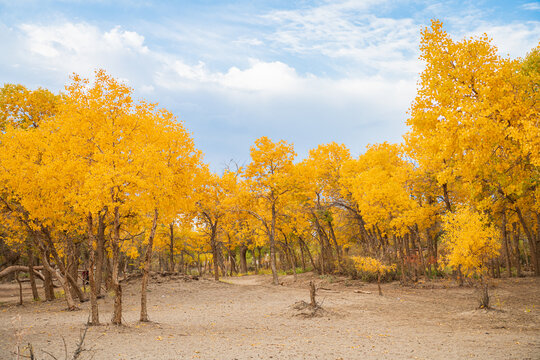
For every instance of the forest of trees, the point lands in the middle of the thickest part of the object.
(92, 180)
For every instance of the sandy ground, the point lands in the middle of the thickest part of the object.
(248, 318)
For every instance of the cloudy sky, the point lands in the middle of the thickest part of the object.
(309, 72)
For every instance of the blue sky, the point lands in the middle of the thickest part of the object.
(309, 72)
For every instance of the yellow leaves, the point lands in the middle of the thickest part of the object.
(270, 168)
(378, 181)
(469, 241)
(475, 118)
(23, 108)
(371, 265)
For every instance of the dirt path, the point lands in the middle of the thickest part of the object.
(248, 318)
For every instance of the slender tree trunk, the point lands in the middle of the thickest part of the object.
(70, 280)
(302, 243)
(420, 251)
(532, 242)
(413, 245)
(94, 310)
(256, 260)
(399, 242)
(232, 261)
(115, 245)
(275, 279)
(146, 267)
(338, 248)
(171, 245)
(446, 197)
(214, 247)
(433, 249)
(379, 282)
(71, 264)
(484, 293)
(20, 286)
(259, 258)
(289, 254)
(302, 256)
(31, 275)
(181, 264)
(63, 281)
(517, 253)
(326, 250)
(100, 252)
(47, 282)
(408, 258)
(506, 247)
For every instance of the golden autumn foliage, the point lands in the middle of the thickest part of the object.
(371, 265)
(469, 241)
(95, 171)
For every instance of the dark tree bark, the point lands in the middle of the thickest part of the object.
(100, 251)
(115, 282)
(243, 261)
(531, 240)
(47, 281)
(506, 247)
(146, 267)
(171, 245)
(31, 275)
(273, 261)
(302, 243)
(94, 310)
(517, 253)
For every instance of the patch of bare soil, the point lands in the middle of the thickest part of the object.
(248, 318)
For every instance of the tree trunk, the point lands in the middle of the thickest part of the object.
(379, 282)
(312, 294)
(243, 261)
(100, 252)
(506, 247)
(215, 253)
(303, 258)
(63, 282)
(517, 253)
(302, 243)
(232, 261)
(338, 248)
(289, 254)
(94, 310)
(275, 279)
(70, 280)
(484, 294)
(421, 252)
(433, 257)
(255, 260)
(115, 245)
(20, 287)
(446, 197)
(399, 242)
(31, 275)
(146, 267)
(47, 281)
(171, 245)
(532, 242)
(72, 264)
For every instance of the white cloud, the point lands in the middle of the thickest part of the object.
(79, 47)
(347, 30)
(515, 40)
(534, 6)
